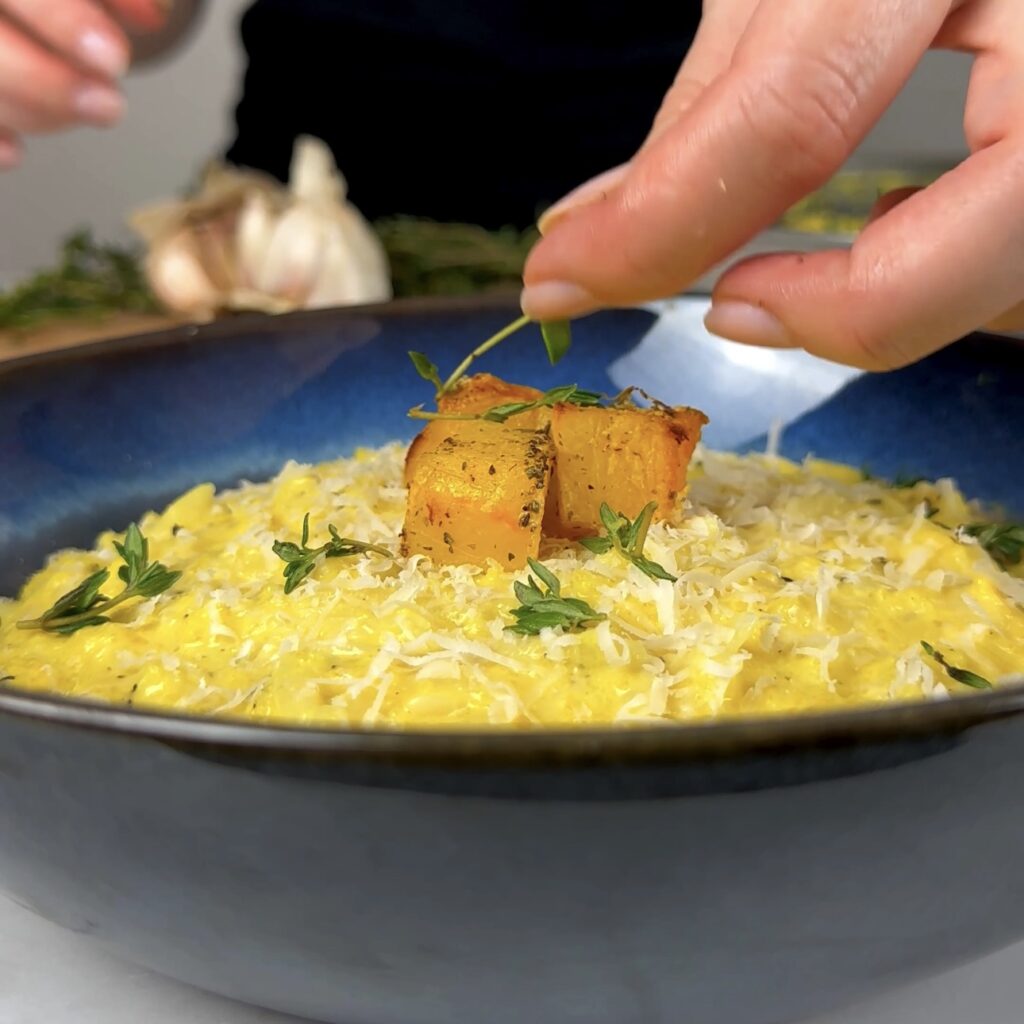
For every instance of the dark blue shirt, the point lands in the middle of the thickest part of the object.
(483, 112)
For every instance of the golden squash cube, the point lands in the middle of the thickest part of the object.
(623, 455)
(477, 490)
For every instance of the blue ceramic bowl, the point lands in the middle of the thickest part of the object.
(749, 873)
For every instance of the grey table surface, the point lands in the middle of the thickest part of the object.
(49, 976)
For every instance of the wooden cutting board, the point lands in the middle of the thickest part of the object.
(66, 333)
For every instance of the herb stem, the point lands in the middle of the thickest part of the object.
(102, 608)
(645, 518)
(480, 350)
(419, 413)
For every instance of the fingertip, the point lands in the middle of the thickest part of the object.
(10, 152)
(103, 52)
(749, 323)
(556, 300)
(98, 104)
(147, 15)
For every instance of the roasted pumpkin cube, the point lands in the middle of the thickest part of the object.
(477, 490)
(622, 455)
(484, 391)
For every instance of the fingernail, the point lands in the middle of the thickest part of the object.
(98, 104)
(10, 154)
(553, 300)
(742, 321)
(103, 52)
(589, 192)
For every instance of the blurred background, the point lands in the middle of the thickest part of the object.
(180, 111)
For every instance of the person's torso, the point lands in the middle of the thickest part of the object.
(480, 111)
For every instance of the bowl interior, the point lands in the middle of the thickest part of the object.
(92, 438)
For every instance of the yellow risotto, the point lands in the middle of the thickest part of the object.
(800, 588)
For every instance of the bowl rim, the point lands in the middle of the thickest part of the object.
(903, 722)
(568, 746)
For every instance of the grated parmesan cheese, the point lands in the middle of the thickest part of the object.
(800, 587)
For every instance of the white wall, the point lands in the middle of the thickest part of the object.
(926, 120)
(180, 115)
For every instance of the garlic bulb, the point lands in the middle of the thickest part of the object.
(245, 242)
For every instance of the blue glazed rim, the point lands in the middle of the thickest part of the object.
(473, 748)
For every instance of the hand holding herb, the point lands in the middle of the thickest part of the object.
(539, 609)
(300, 559)
(86, 606)
(628, 538)
(961, 675)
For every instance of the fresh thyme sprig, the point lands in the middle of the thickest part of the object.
(1003, 541)
(961, 675)
(300, 559)
(539, 609)
(570, 394)
(557, 337)
(628, 538)
(86, 606)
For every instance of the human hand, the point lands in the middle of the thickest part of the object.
(59, 62)
(771, 100)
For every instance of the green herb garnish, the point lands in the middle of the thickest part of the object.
(556, 335)
(1003, 541)
(628, 538)
(570, 394)
(961, 675)
(86, 606)
(300, 559)
(427, 369)
(902, 481)
(90, 281)
(539, 609)
(431, 258)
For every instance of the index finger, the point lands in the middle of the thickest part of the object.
(79, 30)
(145, 15)
(806, 83)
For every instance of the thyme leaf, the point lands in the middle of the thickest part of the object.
(570, 394)
(546, 608)
(628, 538)
(85, 605)
(300, 559)
(961, 675)
(555, 334)
(1003, 541)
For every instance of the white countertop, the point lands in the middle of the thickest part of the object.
(49, 976)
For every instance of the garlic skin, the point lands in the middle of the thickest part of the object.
(178, 279)
(245, 242)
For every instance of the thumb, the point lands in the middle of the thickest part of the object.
(720, 29)
(805, 84)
